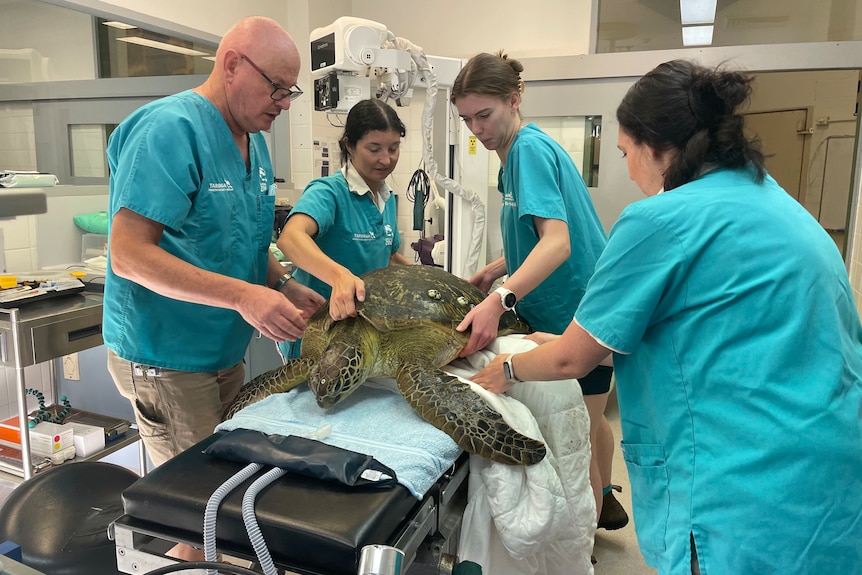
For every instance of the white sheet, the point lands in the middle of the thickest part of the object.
(539, 519)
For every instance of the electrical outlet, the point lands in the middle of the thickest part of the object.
(70, 367)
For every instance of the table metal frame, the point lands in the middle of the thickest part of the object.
(44, 331)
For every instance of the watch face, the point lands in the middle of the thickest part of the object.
(510, 300)
(507, 370)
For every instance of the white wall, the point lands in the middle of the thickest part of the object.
(451, 29)
(459, 29)
(564, 26)
(18, 152)
(211, 17)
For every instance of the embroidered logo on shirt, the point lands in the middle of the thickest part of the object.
(366, 237)
(221, 186)
(264, 185)
(509, 199)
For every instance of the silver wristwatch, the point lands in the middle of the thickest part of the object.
(281, 281)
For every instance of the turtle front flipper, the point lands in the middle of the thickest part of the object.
(453, 407)
(278, 380)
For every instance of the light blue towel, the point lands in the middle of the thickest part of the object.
(372, 421)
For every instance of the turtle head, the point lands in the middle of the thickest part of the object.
(337, 374)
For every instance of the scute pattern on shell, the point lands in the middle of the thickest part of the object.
(404, 329)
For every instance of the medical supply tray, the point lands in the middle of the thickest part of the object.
(39, 288)
(114, 427)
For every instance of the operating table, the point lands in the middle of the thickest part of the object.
(310, 526)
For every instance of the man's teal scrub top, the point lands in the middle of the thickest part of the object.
(174, 161)
(739, 371)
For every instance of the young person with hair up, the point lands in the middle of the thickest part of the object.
(737, 345)
(552, 238)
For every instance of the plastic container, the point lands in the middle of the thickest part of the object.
(93, 245)
(88, 439)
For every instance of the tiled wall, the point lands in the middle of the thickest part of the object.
(18, 152)
(19, 243)
(88, 151)
(18, 144)
(306, 123)
(36, 377)
(19, 238)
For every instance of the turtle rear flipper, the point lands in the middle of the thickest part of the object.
(278, 380)
(453, 407)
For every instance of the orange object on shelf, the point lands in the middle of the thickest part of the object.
(9, 431)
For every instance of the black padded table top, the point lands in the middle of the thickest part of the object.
(306, 523)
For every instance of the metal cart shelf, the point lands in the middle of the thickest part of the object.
(44, 331)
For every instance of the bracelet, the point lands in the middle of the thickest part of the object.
(281, 281)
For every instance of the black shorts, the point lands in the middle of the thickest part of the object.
(597, 381)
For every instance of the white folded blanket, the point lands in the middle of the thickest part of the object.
(27, 180)
(538, 519)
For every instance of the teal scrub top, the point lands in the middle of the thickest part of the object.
(739, 371)
(540, 179)
(351, 229)
(174, 161)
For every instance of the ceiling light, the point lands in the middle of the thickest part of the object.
(697, 35)
(161, 46)
(697, 11)
(120, 25)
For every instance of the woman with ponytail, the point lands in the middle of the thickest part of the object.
(737, 345)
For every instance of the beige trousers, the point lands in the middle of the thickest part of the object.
(174, 409)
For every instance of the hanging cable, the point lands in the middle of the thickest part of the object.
(186, 565)
(418, 192)
(477, 239)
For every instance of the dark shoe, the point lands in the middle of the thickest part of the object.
(613, 515)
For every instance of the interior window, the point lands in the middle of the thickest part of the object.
(636, 25)
(581, 137)
(126, 51)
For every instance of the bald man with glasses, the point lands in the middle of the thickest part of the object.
(190, 274)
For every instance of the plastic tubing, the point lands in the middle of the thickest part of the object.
(211, 510)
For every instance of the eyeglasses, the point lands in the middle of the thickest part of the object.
(279, 92)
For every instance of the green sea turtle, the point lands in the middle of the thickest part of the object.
(404, 329)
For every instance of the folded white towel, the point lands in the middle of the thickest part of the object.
(27, 180)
